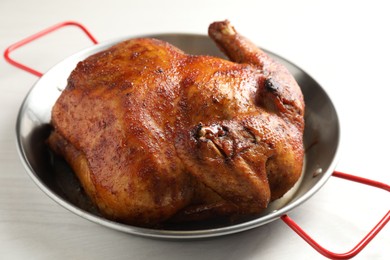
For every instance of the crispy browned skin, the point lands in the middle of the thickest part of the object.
(155, 134)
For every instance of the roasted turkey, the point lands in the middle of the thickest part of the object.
(155, 135)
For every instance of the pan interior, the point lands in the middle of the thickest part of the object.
(55, 178)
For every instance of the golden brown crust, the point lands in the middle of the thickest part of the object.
(153, 133)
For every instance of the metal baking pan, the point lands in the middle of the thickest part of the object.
(54, 177)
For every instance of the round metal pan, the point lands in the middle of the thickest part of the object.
(55, 178)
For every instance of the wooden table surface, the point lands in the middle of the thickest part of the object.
(344, 45)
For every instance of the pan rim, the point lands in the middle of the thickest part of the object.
(162, 233)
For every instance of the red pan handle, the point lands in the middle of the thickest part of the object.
(359, 247)
(36, 36)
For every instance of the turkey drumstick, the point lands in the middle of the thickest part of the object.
(239, 49)
(235, 46)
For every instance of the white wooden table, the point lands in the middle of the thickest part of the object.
(344, 45)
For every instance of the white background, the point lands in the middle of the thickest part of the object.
(344, 45)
